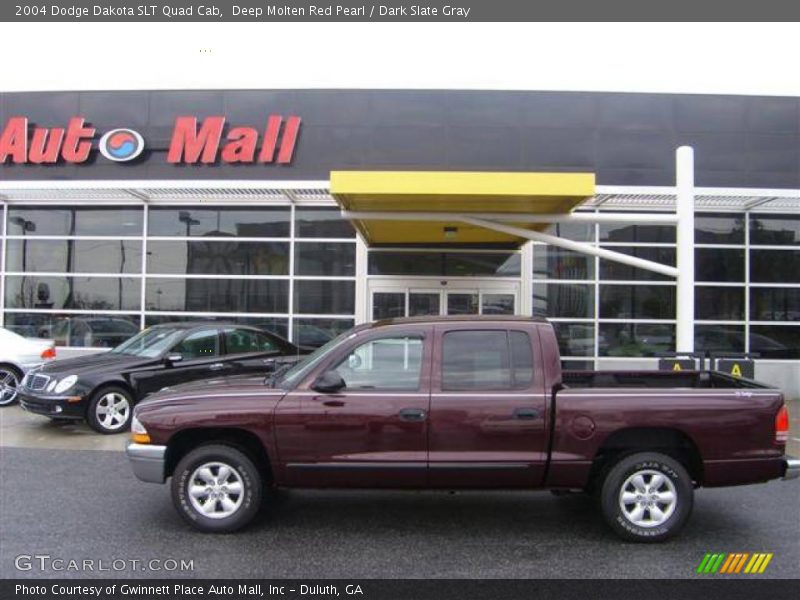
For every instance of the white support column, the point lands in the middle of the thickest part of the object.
(684, 182)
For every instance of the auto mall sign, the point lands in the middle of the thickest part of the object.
(193, 141)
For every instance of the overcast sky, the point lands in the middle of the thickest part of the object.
(686, 58)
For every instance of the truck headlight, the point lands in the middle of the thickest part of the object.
(66, 383)
(138, 433)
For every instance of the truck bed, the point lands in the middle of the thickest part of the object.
(657, 379)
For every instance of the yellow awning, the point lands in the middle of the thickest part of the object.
(453, 192)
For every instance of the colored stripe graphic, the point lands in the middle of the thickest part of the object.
(734, 562)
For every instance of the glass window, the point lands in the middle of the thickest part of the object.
(613, 270)
(275, 325)
(453, 264)
(712, 228)
(625, 232)
(774, 230)
(574, 339)
(384, 364)
(325, 258)
(314, 333)
(74, 256)
(388, 305)
(423, 303)
(459, 303)
(635, 339)
(218, 258)
(322, 223)
(83, 293)
(219, 222)
(578, 232)
(200, 344)
(719, 303)
(577, 365)
(775, 341)
(775, 304)
(521, 360)
(242, 341)
(84, 330)
(557, 263)
(150, 343)
(217, 295)
(719, 339)
(324, 297)
(111, 221)
(475, 360)
(497, 304)
(778, 266)
(637, 302)
(563, 300)
(719, 264)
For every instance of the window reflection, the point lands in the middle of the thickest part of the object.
(324, 297)
(775, 304)
(719, 264)
(613, 270)
(217, 295)
(775, 341)
(83, 293)
(575, 339)
(84, 330)
(637, 302)
(635, 339)
(325, 258)
(219, 222)
(774, 230)
(557, 263)
(218, 258)
(719, 303)
(317, 332)
(778, 266)
(88, 221)
(563, 300)
(275, 325)
(719, 228)
(74, 256)
(322, 223)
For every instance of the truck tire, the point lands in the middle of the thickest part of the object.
(216, 489)
(646, 497)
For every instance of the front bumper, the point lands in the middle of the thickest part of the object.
(791, 467)
(62, 407)
(148, 461)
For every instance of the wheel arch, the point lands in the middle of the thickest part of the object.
(186, 440)
(670, 441)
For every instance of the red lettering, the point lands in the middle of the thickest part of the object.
(45, 145)
(242, 145)
(289, 140)
(14, 141)
(77, 144)
(188, 144)
(270, 139)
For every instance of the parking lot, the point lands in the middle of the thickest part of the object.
(70, 494)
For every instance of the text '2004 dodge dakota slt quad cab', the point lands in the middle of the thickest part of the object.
(459, 403)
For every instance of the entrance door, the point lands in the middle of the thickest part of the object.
(408, 299)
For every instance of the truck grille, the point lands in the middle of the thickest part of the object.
(38, 382)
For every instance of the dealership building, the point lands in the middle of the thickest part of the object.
(309, 211)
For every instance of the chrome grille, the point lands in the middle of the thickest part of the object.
(38, 382)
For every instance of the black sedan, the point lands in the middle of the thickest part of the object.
(103, 388)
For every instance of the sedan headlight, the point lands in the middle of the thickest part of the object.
(66, 383)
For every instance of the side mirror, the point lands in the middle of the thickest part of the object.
(270, 364)
(329, 382)
(171, 359)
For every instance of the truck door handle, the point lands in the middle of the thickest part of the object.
(216, 366)
(412, 414)
(334, 403)
(525, 414)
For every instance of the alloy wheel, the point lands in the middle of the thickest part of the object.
(215, 490)
(648, 498)
(9, 382)
(113, 411)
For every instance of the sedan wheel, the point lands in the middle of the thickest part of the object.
(110, 411)
(9, 384)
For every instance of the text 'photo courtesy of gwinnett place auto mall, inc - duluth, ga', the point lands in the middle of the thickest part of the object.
(295, 309)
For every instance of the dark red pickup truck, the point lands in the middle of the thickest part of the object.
(454, 403)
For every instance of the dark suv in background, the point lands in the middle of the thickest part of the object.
(103, 388)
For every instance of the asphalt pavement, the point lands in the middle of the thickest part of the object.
(74, 504)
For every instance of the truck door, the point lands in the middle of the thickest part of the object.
(373, 432)
(487, 425)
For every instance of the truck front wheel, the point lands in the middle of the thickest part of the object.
(216, 488)
(646, 497)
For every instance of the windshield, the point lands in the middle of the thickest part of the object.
(150, 343)
(291, 377)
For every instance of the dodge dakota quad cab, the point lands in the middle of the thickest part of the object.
(454, 403)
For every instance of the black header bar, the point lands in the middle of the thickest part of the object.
(400, 10)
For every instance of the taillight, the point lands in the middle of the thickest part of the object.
(48, 353)
(782, 426)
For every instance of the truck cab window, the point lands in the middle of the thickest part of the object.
(486, 360)
(385, 364)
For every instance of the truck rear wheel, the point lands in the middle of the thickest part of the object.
(216, 488)
(646, 497)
